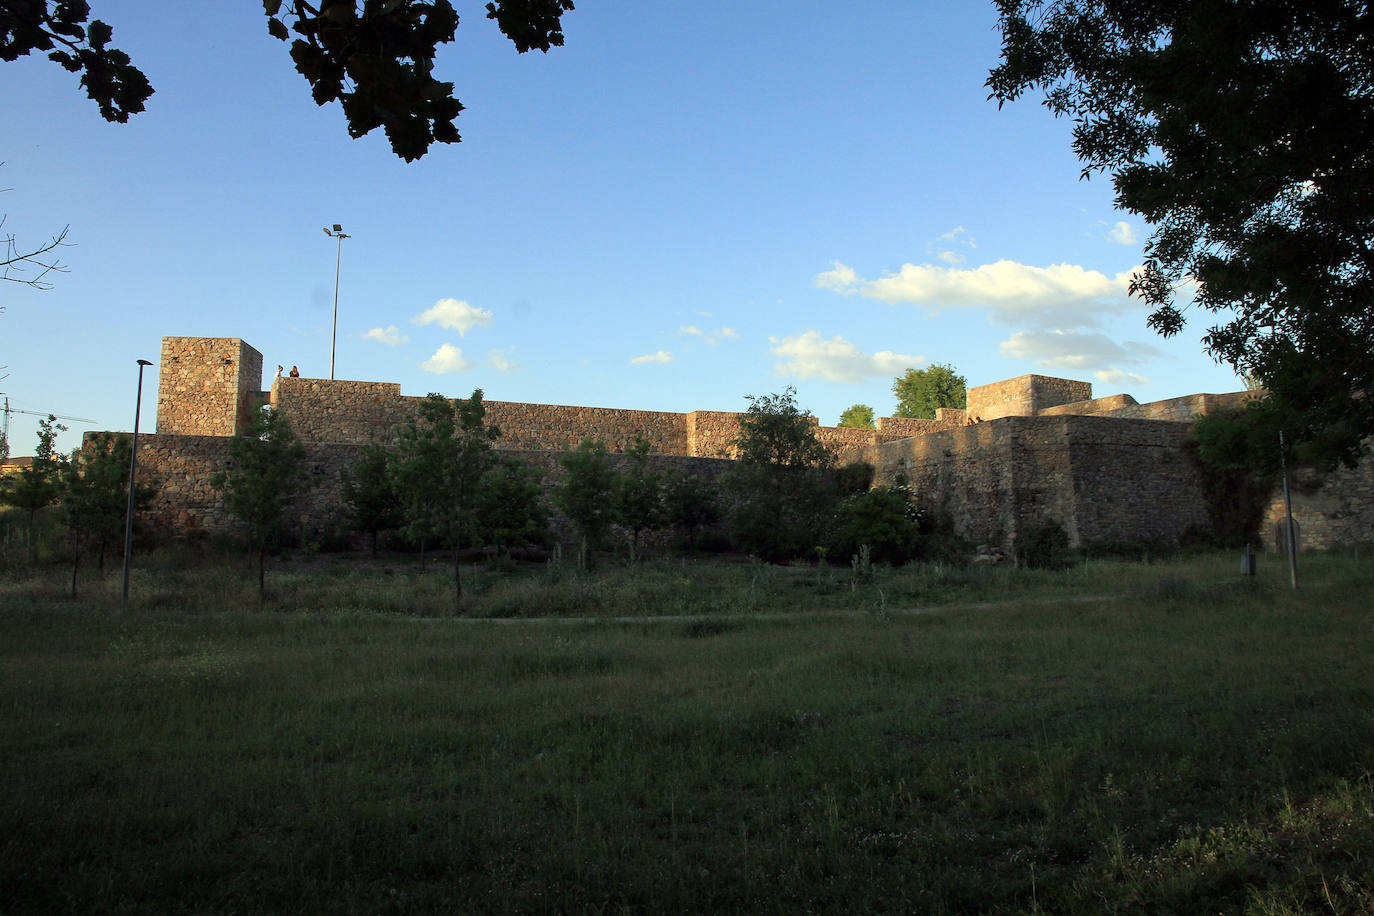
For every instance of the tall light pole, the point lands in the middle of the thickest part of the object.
(339, 234)
(133, 468)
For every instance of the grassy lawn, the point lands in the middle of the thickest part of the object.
(1113, 738)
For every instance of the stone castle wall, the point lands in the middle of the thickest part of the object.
(1339, 511)
(1107, 469)
(186, 503)
(1177, 410)
(1104, 480)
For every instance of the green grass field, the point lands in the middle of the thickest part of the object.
(1163, 738)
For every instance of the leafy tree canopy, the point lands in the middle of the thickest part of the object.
(370, 493)
(920, 391)
(857, 416)
(374, 57)
(39, 484)
(1241, 132)
(775, 431)
(265, 475)
(441, 457)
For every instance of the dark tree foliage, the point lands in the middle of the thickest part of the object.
(1242, 132)
(780, 494)
(510, 505)
(775, 431)
(638, 494)
(266, 473)
(920, 391)
(374, 57)
(38, 485)
(586, 494)
(370, 493)
(441, 457)
(95, 496)
(691, 504)
(855, 477)
(64, 30)
(882, 519)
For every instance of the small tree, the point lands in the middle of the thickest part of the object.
(265, 475)
(441, 457)
(880, 518)
(638, 494)
(95, 496)
(369, 491)
(857, 416)
(780, 493)
(510, 505)
(774, 431)
(585, 495)
(691, 505)
(38, 485)
(920, 391)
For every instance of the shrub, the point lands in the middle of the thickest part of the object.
(880, 518)
(1045, 546)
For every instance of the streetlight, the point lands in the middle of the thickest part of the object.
(133, 467)
(339, 234)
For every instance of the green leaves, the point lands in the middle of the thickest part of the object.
(857, 416)
(265, 473)
(375, 60)
(1239, 131)
(920, 392)
(774, 431)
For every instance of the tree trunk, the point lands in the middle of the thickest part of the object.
(76, 563)
(100, 558)
(262, 556)
(457, 580)
(374, 543)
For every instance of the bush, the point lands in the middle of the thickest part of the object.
(880, 518)
(1045, 547)
(855, 477)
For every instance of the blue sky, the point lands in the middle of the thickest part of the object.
(684, 205)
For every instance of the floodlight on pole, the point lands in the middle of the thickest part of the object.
(339, 234)
(133, 469)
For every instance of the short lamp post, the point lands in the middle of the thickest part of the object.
(339, 234)
(133, 469)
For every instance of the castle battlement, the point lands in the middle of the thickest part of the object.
(209, 385)
(1107, 469)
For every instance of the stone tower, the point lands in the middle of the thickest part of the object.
(207, 386)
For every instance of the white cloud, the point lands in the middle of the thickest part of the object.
(1061, 295)
(499, 361)
(1122, 233)
(950, 257)
(1117, 377)
(711, 337)
(388, 335)
(662, 356)
(455, 315)
(954, 234)
(447, 358)
(836, 360)
(1061, 349)
(841, 278)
